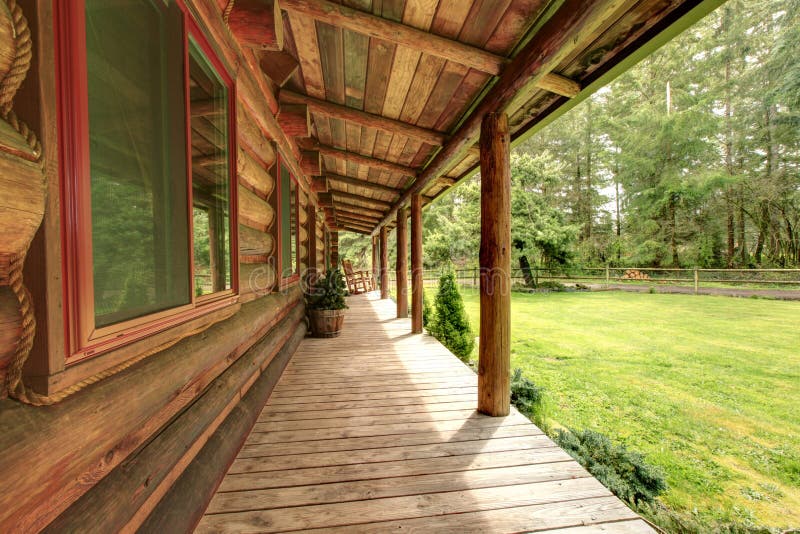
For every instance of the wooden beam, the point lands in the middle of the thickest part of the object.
(390, 126)
(352, 208)
(355, 224)
(416, 264)
(356, 230)
(380, 28)
(319, 184)
(278, 66)
(571, 24)
(401, 266)
(358, 198)
(310, 162)
(358, 217)
(429, 43)
(384, 263)
(295, 120)
(560, 85)
(257, 24)
(360, 159)
(358, 182)
(494, 350)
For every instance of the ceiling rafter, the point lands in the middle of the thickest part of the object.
(370, 120)
(429, 43)
(355, 157)
(551, 45)
(381, 204)
(358, 182)
(346, 206)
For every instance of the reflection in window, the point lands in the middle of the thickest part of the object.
(140, 234)
(208, 104)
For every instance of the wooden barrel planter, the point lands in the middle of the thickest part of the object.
(326, 323)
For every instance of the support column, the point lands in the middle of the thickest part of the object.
(311, 226)
(384, 264)
(494, 364)
(334, 250)
(416, 264)
(375, 260)
(401, 270)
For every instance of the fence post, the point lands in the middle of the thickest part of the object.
(696, 281)
(608, 277)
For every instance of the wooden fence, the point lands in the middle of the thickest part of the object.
(600, 277)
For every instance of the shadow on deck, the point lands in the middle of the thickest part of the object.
(377, 431)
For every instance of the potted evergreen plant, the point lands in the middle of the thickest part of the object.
(325, 304)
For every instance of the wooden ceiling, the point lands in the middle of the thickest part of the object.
(396, 88)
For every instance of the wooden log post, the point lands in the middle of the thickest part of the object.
(416, 264)
(401, 267)
(384, 271)
(494, 353)
(312, 240)
(334, 250)
(375, 260)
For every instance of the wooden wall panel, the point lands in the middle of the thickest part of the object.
(52, 456)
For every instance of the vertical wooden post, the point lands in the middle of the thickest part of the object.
(384, 264)
(696, 281)
(416, 264)
(311, 225)
(494, 364)
(401, 266)
(334, 250)
(375, 260)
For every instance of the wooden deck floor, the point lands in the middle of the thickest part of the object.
(376, 431)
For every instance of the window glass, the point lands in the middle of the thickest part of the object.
(288, 223)
(140, 226)
(208, 105)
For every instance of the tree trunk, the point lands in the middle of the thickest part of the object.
(673, 229)
(745, 257)
(527, 274)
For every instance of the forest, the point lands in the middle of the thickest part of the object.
(690, 159)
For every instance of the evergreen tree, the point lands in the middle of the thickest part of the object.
(450, 323)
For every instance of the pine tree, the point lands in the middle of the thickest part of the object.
(450, 323)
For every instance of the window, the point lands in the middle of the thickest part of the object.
(288, 226)
(147, 135)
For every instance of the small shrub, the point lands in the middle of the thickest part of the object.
(525, 395)
(449, 323)
(690, 522)
(529, 399)
(327, 293)
(623, 472)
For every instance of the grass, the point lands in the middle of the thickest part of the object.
(706, 387)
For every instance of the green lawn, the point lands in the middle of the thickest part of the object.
(706, 387)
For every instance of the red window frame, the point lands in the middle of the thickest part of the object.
(293, 278)
(82, 338)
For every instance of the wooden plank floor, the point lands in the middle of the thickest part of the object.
(376, 431)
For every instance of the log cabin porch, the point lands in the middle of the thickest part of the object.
(151, 286)
(376, 431)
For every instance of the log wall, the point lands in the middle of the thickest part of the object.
(121, 447)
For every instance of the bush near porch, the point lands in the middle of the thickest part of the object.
(705, 387)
